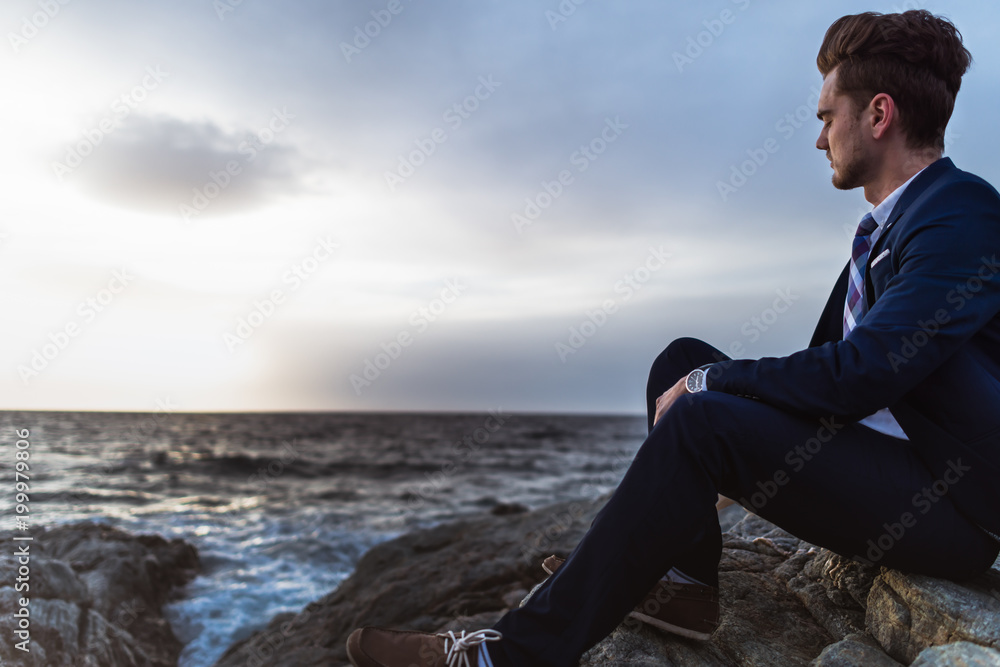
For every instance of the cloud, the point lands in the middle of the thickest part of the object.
(780, 224)
(159, 164)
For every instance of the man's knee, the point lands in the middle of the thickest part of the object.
(675, 361)
(686, 347)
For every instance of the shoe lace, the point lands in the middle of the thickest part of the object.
(456, 647)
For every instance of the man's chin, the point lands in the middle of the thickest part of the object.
(844, 183)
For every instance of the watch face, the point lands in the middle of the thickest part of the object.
(695, 381)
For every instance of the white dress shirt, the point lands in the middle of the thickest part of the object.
(883, 421)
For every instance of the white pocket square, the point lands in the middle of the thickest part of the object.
(882, 255)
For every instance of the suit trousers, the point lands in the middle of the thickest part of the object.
(835, 484)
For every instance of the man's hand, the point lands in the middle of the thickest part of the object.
(670, 397)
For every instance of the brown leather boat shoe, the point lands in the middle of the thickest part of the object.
(380, 647)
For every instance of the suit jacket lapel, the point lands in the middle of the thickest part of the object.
(917, 188)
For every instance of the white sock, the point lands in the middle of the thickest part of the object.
(484, 657)
(676, 575)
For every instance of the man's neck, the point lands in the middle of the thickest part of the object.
(893, 175)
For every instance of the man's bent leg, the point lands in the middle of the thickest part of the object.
(845, 487)
(833, 484)
(664, 505)
(679, 358)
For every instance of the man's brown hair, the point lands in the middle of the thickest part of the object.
(915, 57)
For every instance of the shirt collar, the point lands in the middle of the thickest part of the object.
(882, 211)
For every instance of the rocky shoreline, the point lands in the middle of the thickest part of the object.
(785, 602)
(94, 596)
(97, 592)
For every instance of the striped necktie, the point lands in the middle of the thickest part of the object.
(854, 308)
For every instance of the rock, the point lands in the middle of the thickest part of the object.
(854, 650)
(635, 645)
(784, 601)
(909, 613)
(959, 654)
(763, 622)
(461, 575)
(467, 574)
(730, 516)
(503, 509)
(55, 579)
(95, 597)
(834, 590)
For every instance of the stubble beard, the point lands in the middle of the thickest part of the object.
(853, 172)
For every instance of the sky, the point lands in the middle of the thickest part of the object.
(410, 205)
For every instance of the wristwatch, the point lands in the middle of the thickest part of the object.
(695, 381)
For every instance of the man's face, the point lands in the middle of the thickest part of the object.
(842, 137)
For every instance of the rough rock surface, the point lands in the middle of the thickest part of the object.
(909, 613)
(785, 602)
(959, 654)
(854, 650)
(462, 574)
(763, 622)
(95, 595)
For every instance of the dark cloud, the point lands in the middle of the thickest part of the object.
(161, 164)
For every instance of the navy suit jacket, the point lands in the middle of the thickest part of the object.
(928, 348)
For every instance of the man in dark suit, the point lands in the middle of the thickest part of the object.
(881, 441)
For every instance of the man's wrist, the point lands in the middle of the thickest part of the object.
(696, 381)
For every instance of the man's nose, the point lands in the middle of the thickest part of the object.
(821, 142)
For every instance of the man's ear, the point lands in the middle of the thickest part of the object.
(883, 114)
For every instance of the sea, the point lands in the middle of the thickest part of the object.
(281, 506)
